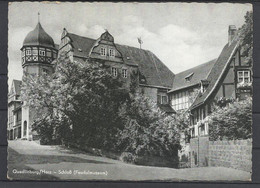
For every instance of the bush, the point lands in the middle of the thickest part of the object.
(128, 157)
(147, 131)
(232, 122)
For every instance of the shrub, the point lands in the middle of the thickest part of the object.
(231, 122)
(128, 157)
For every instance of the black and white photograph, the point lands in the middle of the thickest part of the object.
(130, 91)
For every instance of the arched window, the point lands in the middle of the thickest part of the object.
(24, 128)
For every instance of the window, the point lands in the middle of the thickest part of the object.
(42, 52)
(103, 51)
(28, 52)
(243, 76)
(35, 51)
(164, 100)
(48, 53)
(114, 71)
(111, 52)
(124, 73)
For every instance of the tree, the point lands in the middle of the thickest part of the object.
(231, 122)
(246, 35)
(148, 131)
(77, 102)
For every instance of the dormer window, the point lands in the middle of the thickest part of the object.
(111, 52)
(103, 51)
(189, 77)
(114, 71)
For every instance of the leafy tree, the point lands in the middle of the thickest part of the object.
(231, 122)
(78, 103)
(246, 34)
(148, 131)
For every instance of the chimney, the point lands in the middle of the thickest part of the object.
(231, 33)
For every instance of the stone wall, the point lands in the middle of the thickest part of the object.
(199, 147)
(232, 154)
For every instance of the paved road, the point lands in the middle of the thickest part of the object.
(29, 160)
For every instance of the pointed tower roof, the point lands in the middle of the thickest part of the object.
(38, 37)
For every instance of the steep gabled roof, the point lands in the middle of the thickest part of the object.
(196, 74)
(17, 84)
(153, 70)
(217, 72)
(81, 45)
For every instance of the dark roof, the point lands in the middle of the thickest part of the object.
(166, 108)
(217, 72)
(150, 66)
(196, 74)
(38, 37)
(153, 70)
(17, 86)
(81, 45)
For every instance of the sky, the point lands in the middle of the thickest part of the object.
(181, 35)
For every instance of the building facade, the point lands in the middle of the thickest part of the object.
(14, 129)
(195, 90)
(39, 53)
(227, 78)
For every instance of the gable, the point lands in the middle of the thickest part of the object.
(151, 69)
(217, 72)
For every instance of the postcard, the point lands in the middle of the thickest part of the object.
(130, 91)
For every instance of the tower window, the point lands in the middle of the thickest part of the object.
(35, 51)
(243, 76)
(103, 51)
(124, 73)
(114, 71)
(111, 52)
(28, 52)
(42, 52)
(48, 53)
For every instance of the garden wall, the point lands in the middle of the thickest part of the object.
(231, 153)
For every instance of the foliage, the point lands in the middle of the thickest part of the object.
(147, 130)
(78, 103)
(231, 122)
(246, 34)
(128, 157)
(87, 106)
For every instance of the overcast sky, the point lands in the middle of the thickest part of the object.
(182, 35)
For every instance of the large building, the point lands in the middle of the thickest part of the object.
(39, 52)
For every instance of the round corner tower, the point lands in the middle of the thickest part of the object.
(38, 53)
